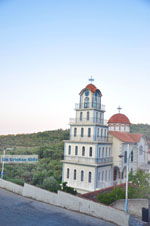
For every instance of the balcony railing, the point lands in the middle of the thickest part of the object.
(93, 105)
(91, 139)
(88, 159)
(87, 121)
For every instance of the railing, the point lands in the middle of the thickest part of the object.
(90, 105)
(91, 138)
(88, 159)
(86, 121)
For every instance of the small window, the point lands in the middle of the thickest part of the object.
(103, 152)
(75, 132)
(106, 151)
(82, 132)
(99, 176)
(102, 175)
(109, 152)
(86, 102)
(81, 116)
(131, 156)
(90, 152)
(75, 174)
(82, 175)
(125, 157)
(101, 132)
(69, 150)
(89, 132)
(88, 115)
(98, 132)
(99, 153)
(76, 150)
(90, 177)
(106, 175)
(109, 174)
(96, 116)
(83, 151)
(141, 149)
(67, 172)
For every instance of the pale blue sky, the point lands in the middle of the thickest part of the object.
(49, 49)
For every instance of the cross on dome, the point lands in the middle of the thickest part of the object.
(91, 79)
(119, 109)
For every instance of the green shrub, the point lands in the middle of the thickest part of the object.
(16, 181)
(68, 189)
(51, 184)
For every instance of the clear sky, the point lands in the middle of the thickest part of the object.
(50, 48)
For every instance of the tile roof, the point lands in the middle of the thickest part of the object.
(92, 88)
(126, 137)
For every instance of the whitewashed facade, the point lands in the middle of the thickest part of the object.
(87, 163)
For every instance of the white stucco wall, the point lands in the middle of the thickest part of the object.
(78, 184)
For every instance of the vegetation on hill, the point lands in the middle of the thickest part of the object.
(141, 128)
(48, 145)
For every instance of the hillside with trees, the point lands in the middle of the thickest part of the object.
(49, 146)
(141, 128)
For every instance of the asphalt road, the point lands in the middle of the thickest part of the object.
(16, 210)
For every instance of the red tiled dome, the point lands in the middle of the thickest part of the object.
(119, 118)
(92, 88)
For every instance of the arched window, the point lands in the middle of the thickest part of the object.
(90, 177)
(69, 150)
(109, 174)
(98, 132)
(88, 115)
(109, 152)
(99, 176)
(81, 116)
(83, 151)
(103, 152)
(101, 132)
(82, 175)
(75, 174)
(75, 132)
(105, 133)
(102, 175)
(99, 152)
(96, 116)
(131, 156)
(67, 172)
(90, 152)
(86, 102)
(106, 151)
(125, 157)
(106, 175)
(141, 149)
(89, 132)
(82, 132)
(76, 150)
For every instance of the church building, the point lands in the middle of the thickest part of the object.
(95, 157)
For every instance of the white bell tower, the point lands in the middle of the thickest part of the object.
(87, 163)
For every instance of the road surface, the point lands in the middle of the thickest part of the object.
(16, 210)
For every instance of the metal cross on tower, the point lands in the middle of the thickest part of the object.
(119, 109)
(91, 79)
